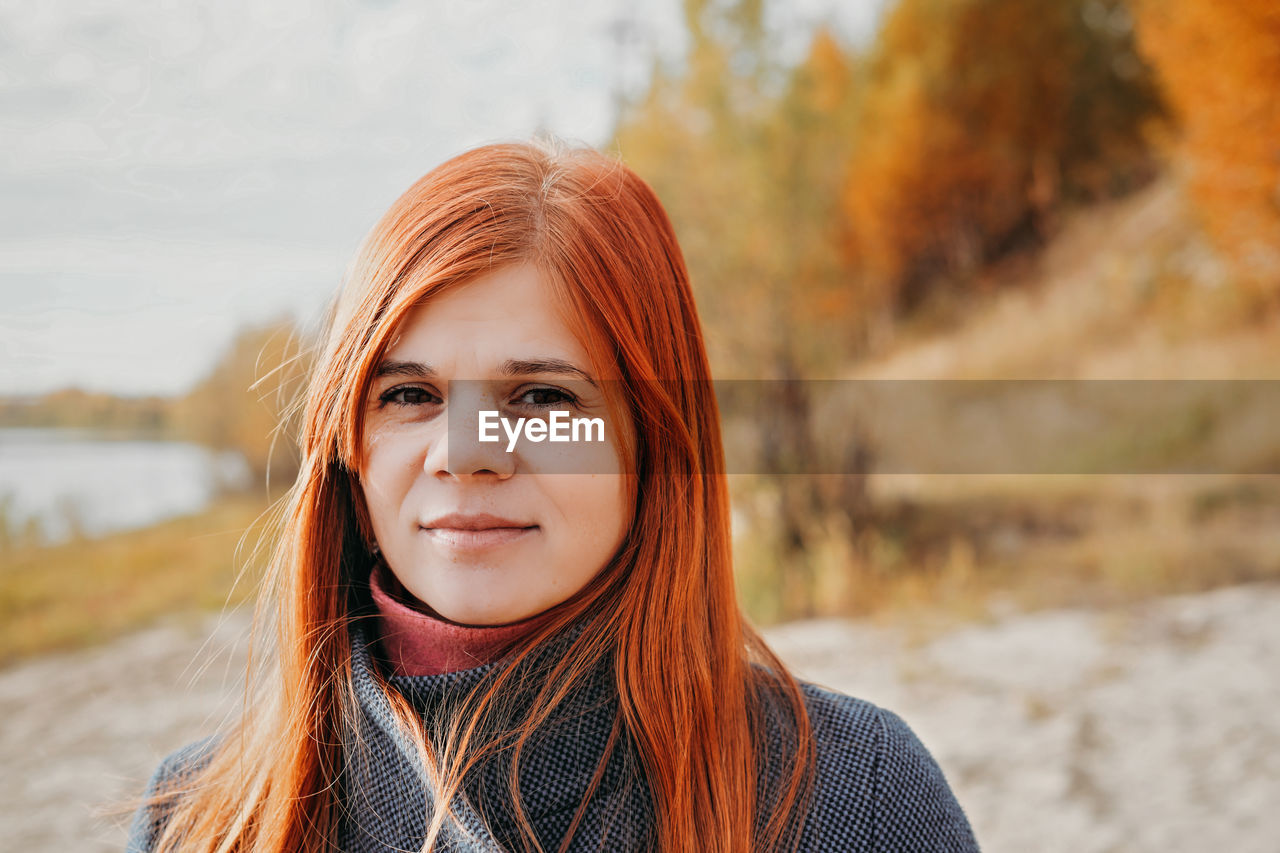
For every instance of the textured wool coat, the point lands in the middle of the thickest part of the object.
(877, 788)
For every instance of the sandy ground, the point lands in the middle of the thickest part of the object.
(1150, 729)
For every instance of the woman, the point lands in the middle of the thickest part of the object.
(524, 644)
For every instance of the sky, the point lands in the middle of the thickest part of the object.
(172, 171)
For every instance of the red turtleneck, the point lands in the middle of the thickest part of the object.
(418, 643)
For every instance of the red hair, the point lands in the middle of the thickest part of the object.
(692, 676)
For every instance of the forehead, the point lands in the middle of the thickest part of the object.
(511, 311)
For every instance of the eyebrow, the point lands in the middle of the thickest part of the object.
(510, 367)
(553, 366)
(416, 369)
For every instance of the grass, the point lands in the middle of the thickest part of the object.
(974, 548)
(87, 591)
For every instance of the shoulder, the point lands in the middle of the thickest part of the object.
(876, 785)
(169, 778)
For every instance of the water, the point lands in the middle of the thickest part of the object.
(63, 482)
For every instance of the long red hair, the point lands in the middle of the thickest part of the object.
(691, 674)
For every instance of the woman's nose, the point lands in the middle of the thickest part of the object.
(462, 453)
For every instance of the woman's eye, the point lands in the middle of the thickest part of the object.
(408, 395)
(546, 397)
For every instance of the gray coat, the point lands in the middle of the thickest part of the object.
(877, 789)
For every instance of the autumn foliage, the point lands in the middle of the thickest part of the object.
(981, 117)
(1219, 69)
(751, 180)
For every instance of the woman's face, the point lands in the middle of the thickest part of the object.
(483, 534)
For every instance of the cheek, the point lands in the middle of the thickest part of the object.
(389, 470)
(595, 509)
(598, 503)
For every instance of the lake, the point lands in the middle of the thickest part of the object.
(64, 482)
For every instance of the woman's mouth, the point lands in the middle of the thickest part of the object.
(475, 532)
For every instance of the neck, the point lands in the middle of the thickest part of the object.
(416, 641)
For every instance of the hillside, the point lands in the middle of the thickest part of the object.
(1124, 290)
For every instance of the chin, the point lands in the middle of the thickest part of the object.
(483, 595)
(474, 607)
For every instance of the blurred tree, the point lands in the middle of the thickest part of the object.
(75, 407)
(1219, 68)
(979, 118)
(246, 401)
(747, 157)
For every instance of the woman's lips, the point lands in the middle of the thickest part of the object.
(475, 532)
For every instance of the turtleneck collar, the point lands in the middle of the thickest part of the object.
(416, 643)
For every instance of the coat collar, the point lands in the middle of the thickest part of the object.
(385, 788)
(386, 799)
